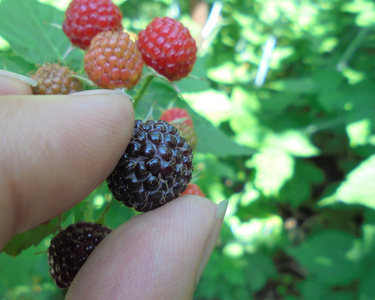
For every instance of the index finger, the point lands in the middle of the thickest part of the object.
(54, 151)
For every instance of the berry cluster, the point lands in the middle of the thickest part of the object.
(157, 165)
(114, 57)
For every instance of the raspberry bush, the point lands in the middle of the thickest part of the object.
(278, 97)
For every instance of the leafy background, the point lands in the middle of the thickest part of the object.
(283, 104)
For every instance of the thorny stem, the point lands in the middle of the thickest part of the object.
(143, 89)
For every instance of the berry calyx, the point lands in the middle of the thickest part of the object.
(113, 60)
(54, 79)
(86, 18)
(167, 47)
(70, 249)
(155, 168)
(180, 118)
(193, 189)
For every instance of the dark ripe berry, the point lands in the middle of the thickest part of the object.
(86, 18)
(70, 249)
(155, 168)
(167, 47)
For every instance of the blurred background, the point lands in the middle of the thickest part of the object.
(283, 99)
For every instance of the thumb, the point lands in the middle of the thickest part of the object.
(15, 84)
(156, 255)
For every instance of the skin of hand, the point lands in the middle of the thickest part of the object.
(54, 151)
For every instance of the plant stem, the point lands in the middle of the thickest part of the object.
(143, 89)
(101, 219)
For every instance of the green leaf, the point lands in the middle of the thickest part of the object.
(30, 238)
(359, 132)
(358, 188)
(273, 169)
(312, 289)
(333, 257)
(197, 80)
(26, 276)
(29, 29)
(16, 64)
(262, 269)
(294, 85)
(209, 138)
(229, 73)
(293, 142)
(367, 286)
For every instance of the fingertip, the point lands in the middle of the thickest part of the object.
(58, 149)
(14, 84)
(155, 255)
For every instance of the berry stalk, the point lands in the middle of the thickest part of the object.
(143, 89)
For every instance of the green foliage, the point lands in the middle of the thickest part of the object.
(294, 153)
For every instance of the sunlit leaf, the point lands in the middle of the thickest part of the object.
(273, 169)
(358, 188)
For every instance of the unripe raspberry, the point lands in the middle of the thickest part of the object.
(180, 118)
(113, 60)
(54, 79)
(167, 47)
(86, 18)
(193, 189)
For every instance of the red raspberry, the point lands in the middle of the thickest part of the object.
(86, 18)
(113, 60)
(167, 47)
(181, 119)
(193, 189)
(174, 114)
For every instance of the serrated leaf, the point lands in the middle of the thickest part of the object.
(27, 26)
(333, 257)
(30, 238)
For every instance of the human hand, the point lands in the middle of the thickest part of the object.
(54, 151)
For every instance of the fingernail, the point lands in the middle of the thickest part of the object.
(215, 232)
(99, 92)
(25, 79)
